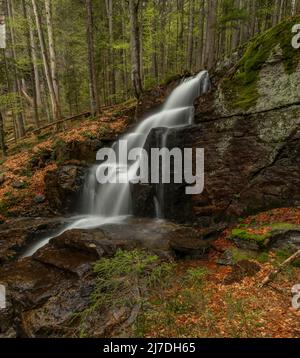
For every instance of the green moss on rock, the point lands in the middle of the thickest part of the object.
(243, 234)
(240, 89)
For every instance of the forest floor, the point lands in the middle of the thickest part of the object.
(21, 180)
(205, 299)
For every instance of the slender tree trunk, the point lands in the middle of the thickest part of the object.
(55, 106)
(135, 47)
(124, 52)
(112, 75)
(236, 29)
(162, 43)
(211, 32)
(281, 10)
(52, 57)
(20, 118)
(34, 61)
(191, 36)
(30, 55)
(293, 8)
(95, 109)
(2, 135)
(154, 45)
(2, 25)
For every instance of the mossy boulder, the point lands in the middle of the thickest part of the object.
(240, 89)
(262, 237)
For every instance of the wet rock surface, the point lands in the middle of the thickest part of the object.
(47, 289)
(16, 234)
(63, 187)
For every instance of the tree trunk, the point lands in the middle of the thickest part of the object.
(109, 10)
(34, 61)
(2, 26)
(20, 118)
(211, 31)
(191, 36)
(236, 29)
(30, 55)
(54, 104)
(91, 60)
(135, 47)
(52, 57)
(2, 135)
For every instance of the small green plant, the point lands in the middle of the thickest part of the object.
(125, 280)
(89, 135)
(195, 276)
(103, 131)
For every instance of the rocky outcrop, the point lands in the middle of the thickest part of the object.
(252, 145)
(47, 290)
(63, 187)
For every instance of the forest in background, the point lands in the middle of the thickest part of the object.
(68, 57)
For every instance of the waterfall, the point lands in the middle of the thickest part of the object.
(112, 203)
(110, 200)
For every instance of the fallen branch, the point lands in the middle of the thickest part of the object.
(76, 116)
(275, 272)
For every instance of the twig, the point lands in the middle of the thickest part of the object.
(275, 272)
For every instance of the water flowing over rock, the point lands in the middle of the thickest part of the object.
(178, 111)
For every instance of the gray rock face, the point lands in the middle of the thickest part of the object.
(63, 186)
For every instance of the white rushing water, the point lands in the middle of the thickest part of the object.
(112, 203)
(112, 200)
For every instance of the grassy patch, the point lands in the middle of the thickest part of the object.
(240, 255)
(125, 280)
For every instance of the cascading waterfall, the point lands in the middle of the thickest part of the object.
(115, 199)
(112, 203)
